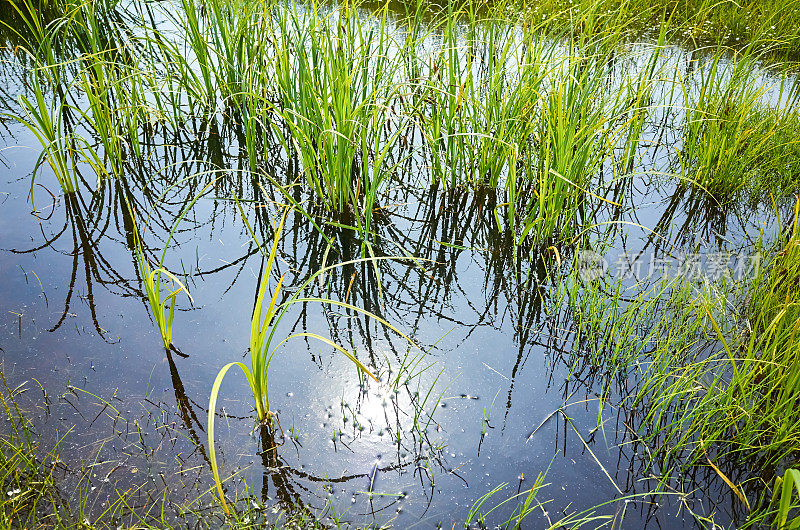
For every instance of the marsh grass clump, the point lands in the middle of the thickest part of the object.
(572, 142)
(733, 139)
(772, 355)
(615, 326)
(336, 77)
(772, 27)
(156, 281)
(476, 98)
(779, 171)
(108, 78)
(721, 388)
(85, 97)
(561, 179)
(220, 64)
(777, 289)
(45, 120)
(722, 136)
(472, 96)
(505, 107)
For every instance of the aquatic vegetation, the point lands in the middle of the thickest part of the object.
(35, 493)
(27, 474)
(719, 378)
(770, 26)
(34, 32)
(527, 502)
(102, 70)
(516, 138)
(570, 148)
(154, 281)
(732, 139)
(108, 79)
(637, 107)
(222, 59)
(787, 499)
(443, 89)
(262, 349)
(477, 514)
(769, 353)
(336, 81)
(45, 120)
(500, 109)
(779, 169)
(474, 97)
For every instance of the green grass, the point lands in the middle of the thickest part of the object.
(551, 110)
(708, 373)
(336, 79)
(789, 487)
(264, 343)
(28, 472)
(45, 120)
(732, 139)
(710, 369)
(154, 281)
(530, 109)
(35, 479)
(770, 26)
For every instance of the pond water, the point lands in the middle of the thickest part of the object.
(477, 408)
(496, 370)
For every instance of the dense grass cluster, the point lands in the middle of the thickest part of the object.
(708, 370)
(719, 365)
(771, 25)
(732, 139)
(354, 102)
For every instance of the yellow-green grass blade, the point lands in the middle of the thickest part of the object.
(370, 314)
(212, 405)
